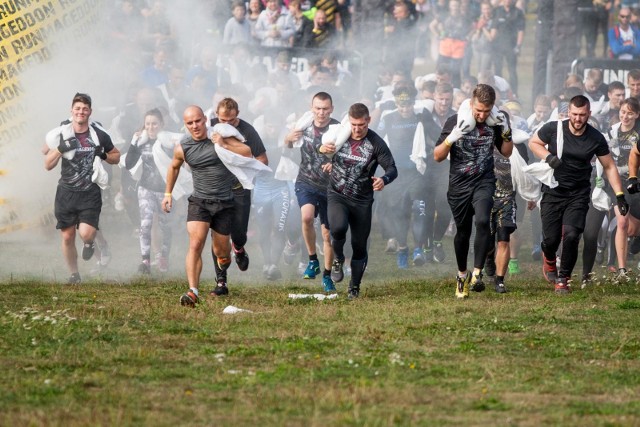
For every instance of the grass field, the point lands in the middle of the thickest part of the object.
(124, 352)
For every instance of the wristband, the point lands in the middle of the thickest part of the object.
(620, 193)
(633, 177)
(167, 194)
(447, 143)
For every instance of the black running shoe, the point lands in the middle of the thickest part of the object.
(87, 251)
(220, 289)
(242, 258)
(477, 285)
(75, 279)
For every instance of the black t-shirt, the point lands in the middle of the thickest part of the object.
(471, 157)
(574, 174)
(355, 164)
(399, 133)
(311, 161)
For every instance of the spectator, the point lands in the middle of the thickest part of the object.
(274, 26)
(453, 30)
(237, 30)
(507, 34)
(623, 38)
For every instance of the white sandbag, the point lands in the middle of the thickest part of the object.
(337, 134)
(491, 119)
(599, 198)
(526, 185)
(287, 169)
(244, 168)
(226, 130)
(99, 175)
(542, 172)
(466, 121)
(518, 136)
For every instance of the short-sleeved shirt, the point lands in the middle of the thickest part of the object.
(507, 24)
(574, 173)
(621, 146)
(400, 132)
(76, 172)
(471, 157)
(311, 162)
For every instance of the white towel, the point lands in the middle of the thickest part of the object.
(419, 149)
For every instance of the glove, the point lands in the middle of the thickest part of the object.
(633, 185)
(456, 134)
(622, 204)
(553, 161)
(100, 152)
(502, 121)
(599, 182)
(66, 145)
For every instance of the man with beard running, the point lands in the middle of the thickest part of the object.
(564, 208)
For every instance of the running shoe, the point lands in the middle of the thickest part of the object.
(328, 285)
(189, 299)
(403, 258)
(392, 246)
(105, 255)
(312, 270)
(87, 251)
(418, 257)
(144, 267)
(221, 289)
(438, 252)
(289, 252)
(514, 266)
(549, 269)
(163, 264)
(462, 286)
(490, 266)
(242, 258)
(337, 272)
(75, 279)
(273, 272)
(477, 285)
(536, 253)
(500, 288)
(354, 291)
(562, 286)
(623, 275)
(586, 280)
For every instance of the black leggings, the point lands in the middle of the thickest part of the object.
(481, 213)
(592, 227)
(345, 214)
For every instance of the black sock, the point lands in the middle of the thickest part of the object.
(313, 257)
(326, 273)
(499, 279)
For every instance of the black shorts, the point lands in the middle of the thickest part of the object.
(75, 207)
(503, 213)
(570, 210)
(309, 195)
(462, 203)
(220, 214)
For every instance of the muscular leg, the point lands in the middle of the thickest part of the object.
(69, 250)
(308, 230)
(197, 231)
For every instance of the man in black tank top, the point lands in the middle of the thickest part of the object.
(211, 206)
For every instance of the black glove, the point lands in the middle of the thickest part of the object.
(66, 145)
(622, 204)
(100, 152)
(633, 185)
(553, 161)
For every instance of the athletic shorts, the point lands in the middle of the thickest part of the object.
(309, 195)
(75, 207)
(503, 216)
(220, 214)
(462, 203)
(571, 210)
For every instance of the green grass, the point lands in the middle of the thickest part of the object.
(405, 353)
